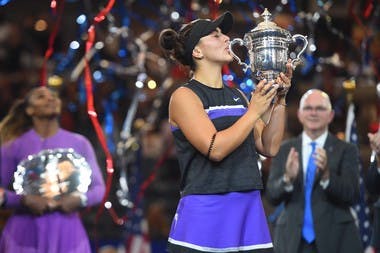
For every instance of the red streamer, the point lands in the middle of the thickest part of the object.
(214, 7)
(53, 6)
(146, 183)
(356, 17)
(93, 116)
(368, 8)
(90, 104)
(53, 35)
(189, 12)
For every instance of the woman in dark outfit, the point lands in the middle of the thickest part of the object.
(218, 134)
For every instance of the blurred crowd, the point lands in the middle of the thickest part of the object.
(152, 157)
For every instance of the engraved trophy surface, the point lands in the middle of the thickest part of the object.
(268, 47)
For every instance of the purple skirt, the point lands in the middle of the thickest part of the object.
(49, 233)
(231, 222)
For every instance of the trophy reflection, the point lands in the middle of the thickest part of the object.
(52, 173)
(267, 46)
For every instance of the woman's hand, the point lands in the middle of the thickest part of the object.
(69, 203)
(284, 80)
(262, 97)
(38, 205)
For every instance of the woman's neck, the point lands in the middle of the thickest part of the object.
(45, 128)
(210, 76)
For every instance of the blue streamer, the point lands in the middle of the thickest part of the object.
(109, 126)
(82, 92)
(4, 2)
(66, 61)
(293, 6)
(310, 62)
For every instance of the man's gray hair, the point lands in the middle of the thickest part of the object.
(307, 93)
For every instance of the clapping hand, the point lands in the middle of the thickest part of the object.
(374, 141)
(292, 165)
(320, 157)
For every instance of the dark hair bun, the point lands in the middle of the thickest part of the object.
(168, 39)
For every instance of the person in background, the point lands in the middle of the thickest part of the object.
(217, 133)
(40, 224)
(316, 177)
(372, 181)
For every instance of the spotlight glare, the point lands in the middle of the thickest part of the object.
(142, 77)
(108, 205)
(139, 84)
(255, 14)
(40, 25)
(81, 19)
(74, 45)
(98, 76)
(174, 16)
(152, 84)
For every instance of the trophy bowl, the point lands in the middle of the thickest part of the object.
(268, 49)
(52, 173)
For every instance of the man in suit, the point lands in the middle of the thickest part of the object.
(373, 186)
(315, 218)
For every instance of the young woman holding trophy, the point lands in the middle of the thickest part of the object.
(57, 174)
(218, 134)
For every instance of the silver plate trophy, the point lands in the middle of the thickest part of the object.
(267, 46)
(52, 173)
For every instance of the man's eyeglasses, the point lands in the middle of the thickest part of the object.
(317, 109)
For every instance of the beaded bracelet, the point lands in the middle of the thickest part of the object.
(211, 145)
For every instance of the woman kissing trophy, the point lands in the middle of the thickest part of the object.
(267, 46)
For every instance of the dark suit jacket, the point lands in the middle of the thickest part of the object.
(373, 179)
(334, 224)
(373, 187)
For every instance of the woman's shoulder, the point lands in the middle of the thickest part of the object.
(66, 134)
(24, 137)
(183, 93)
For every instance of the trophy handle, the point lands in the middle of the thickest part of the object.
(241, 43)
(303, 38)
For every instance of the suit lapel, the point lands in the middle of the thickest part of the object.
(329, 147)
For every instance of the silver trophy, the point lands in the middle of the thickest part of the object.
(52, 173)
(267, 46)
